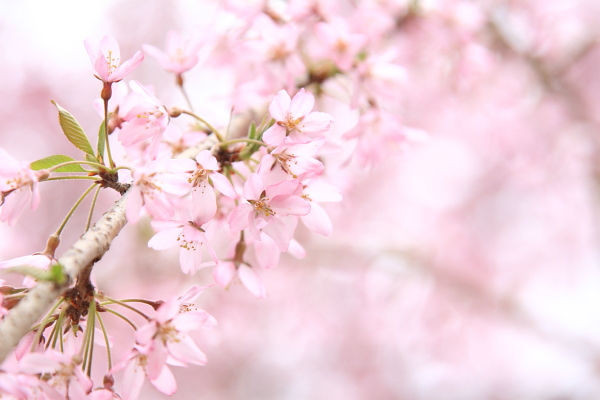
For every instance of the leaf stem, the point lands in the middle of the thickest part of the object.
(57, 166)
(62, 178)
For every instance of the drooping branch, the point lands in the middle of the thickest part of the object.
(90, 248)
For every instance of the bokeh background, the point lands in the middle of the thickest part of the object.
(463, 267)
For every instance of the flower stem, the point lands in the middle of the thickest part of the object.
(91, 213)
(110, 160)
(209, 126)
(124, 318)
(91, 325)
(183, 91)
(72, 210)
(151, 303)
(42, 324)
(115, 301)
(241, 140)
(105, 340)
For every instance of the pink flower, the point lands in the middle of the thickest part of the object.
(380, 133)
(136, 366)
(180, 55)
(294, 120)
(18, 184)
(142, 117)
(189, 236)
(66, 373)
(204, 179)
(317, 219)
(152, 187)
(265, 207)
(224, 274)
(106, 59)
(339, 44)
(293, 159)
(165, 340)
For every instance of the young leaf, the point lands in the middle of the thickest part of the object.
(252, 131)
(92, 158)
(54, 274)
(56, 159)
(73, 130)
(101, 139)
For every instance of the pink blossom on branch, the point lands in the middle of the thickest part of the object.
(142, 117)
(204, 178)
(266, 208)
(165, 340)
(294, 121)
(189, 236)
(106, 59)
(153, 187)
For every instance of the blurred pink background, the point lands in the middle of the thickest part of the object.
(466, 267)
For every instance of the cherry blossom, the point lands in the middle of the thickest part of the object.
(18, 185)
(293, 159)
(179, 56)
(106, 59)
(225, 273)
(152, 188)
(204, 178)
(266, 207)
(294, 121)
(142, 116)
(164, 340)
(339, 43)
(189, 236)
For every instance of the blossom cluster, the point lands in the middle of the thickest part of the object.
(250, 186)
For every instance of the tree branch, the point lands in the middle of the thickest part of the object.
(89, 249)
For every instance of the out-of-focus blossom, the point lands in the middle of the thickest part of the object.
(151, 188)
(225, 273)
(339, 43)
(142, 117)
(18, 184)
(317, 219)
(106, 59)
(179, 55)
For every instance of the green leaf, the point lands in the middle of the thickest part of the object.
(92, 158)
(101, 139)
(56, 159)
(55, 273)
(73, 130)
(252, 131)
